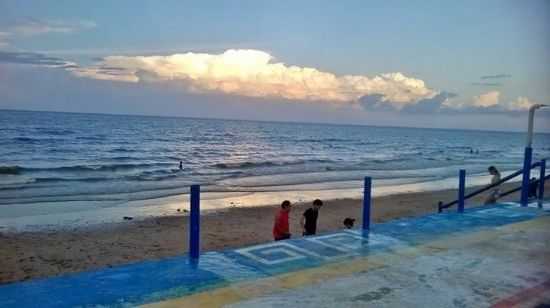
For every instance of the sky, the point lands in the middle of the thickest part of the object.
(447, 64)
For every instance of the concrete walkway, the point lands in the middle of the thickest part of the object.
(490, 256)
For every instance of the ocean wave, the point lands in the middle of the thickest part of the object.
(57, 179)
(92, 168)
(316, 140)
(23, 139)
(145, 177)
(10, 169)
(10, 181)
(244, 165)
(53, 131)
(92, 138)
(33, 140)
(121, 158)
(122, 150)
(140, 177)
(250, 165)
(155, 175)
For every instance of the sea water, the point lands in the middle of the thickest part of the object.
(67, 162)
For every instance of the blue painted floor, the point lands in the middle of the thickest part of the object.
(154, 281)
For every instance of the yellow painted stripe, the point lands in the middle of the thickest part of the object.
(251, 289)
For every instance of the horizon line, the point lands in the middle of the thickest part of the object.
(272, 121)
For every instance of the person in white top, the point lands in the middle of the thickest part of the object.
(495, 193)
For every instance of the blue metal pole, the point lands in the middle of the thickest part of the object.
(461, 189)
(194, 221)
(527, 158)
(541, 181)
(366, 203)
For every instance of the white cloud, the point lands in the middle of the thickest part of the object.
(491, 100)
(30, 27)
(520, 104)
(253, 73)
(488, 99)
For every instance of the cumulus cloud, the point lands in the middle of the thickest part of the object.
(432, 104)
(491, 102)
(426, 105)
(498, 76)
(521, 103)
(488, 99)
(254, 73)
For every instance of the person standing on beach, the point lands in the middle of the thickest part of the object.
(280, 227)
(309, 218)
(495, 193)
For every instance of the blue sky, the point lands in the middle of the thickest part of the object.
(457, 64)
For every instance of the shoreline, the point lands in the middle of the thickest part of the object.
(27, 255)
(68, 215)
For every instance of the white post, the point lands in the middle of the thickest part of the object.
(530, 125)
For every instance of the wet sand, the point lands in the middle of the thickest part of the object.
(28, 255)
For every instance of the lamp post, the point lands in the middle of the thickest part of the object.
(528, 156)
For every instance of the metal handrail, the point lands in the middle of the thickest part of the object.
(442, 206)
(511, 191)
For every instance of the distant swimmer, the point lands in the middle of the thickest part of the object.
(495, 193)
(181, 165)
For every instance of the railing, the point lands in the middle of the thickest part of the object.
(194, 216)
(462, 178)
(536, 182)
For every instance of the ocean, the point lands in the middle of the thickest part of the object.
(54, 164)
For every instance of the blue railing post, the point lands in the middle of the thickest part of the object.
(366, 203)
(541, 182)
(194, 222)
(461, 189)
(527, 158)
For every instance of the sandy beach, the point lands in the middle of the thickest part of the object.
(27, 255)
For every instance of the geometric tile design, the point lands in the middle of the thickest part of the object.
(344, 242)
(275, 253)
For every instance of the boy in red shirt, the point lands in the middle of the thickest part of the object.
(280, 227)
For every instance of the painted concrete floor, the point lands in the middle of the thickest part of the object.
(490, 256)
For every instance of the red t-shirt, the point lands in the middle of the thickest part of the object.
(280, 228)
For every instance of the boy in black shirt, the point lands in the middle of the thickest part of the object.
(309, 218)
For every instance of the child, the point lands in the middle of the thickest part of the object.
(348, 222)
(280, 227)
(309, 218)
